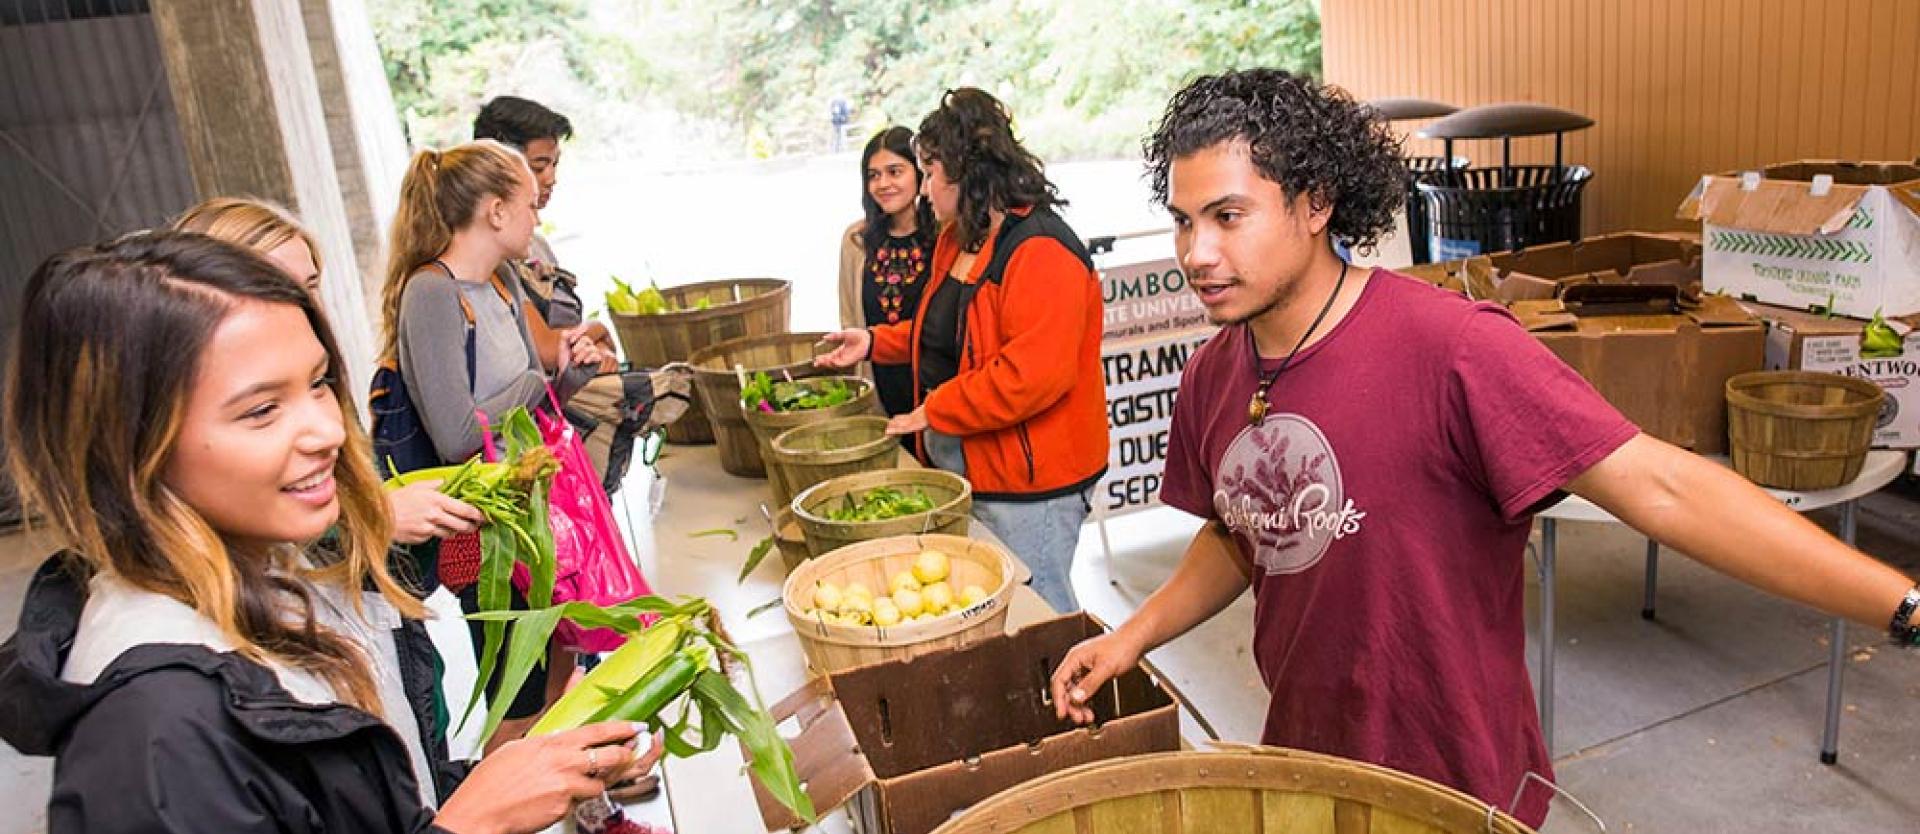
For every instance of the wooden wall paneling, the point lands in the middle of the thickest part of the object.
(1677, 88)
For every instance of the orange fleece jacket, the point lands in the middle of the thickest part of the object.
(1029, 402)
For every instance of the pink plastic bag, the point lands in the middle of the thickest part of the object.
(591, 558)
(591, 562)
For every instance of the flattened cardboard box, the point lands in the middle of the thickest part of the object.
(911, 742)
(1663, 362)
(1543, 272)
(1843, 236)
(1800, 341)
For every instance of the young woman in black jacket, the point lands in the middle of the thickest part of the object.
(174, 411)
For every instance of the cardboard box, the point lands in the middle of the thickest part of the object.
(1543, 272)
(1839, 236)
(1447, 275)
(912, 742)
(1800, 341)
(1660, 359)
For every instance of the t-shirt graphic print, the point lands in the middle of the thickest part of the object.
(1279, 487)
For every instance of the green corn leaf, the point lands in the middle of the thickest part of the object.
(673, 736)
(527, 649)
(754, 557)
(763, 608)
(624, 617)
(519, 433)
(772, 759)
(496, 576)
(542, 565)
(730, 534)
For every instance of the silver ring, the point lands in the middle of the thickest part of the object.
(593, 763)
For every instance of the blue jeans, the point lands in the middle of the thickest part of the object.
(1043, 534)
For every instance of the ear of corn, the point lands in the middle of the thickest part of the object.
(624, 668)
(676, 661)
(671, 662)
(655, 690)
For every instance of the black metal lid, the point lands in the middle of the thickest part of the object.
(1397, 109)
(1493, 121)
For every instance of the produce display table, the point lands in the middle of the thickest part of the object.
(710, 793)
(1880, 469)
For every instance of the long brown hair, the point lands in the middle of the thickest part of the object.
(109, 346)
(439, 195)
(971, 136)
(253, 223)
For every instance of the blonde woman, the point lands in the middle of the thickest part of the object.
(175, 412)
(462, 340)
(420, 512)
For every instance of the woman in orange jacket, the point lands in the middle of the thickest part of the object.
(1005, 344)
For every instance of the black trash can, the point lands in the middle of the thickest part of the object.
(1419, 231)
(1479, 210)
(1473, 211)
(1406, 109)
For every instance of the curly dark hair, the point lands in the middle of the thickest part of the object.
(971, 136)
(1307, 137)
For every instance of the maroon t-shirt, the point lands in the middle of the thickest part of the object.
(1385, 503)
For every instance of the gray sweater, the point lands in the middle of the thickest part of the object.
(433, 358)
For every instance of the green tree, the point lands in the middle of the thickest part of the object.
(1083, 77)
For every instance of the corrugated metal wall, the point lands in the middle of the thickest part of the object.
(89, 145)
(89, 141)
(1679, 88)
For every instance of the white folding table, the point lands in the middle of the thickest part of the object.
(1880, 469)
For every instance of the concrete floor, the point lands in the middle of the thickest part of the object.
(1707, 719)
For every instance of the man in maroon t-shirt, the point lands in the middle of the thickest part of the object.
(1369, 451)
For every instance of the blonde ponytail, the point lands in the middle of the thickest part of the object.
(418, 236)
(441, 193)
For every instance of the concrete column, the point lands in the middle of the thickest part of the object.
(369, 150)
(243, 83)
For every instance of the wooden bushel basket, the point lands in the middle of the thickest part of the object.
(737, 308)
(833, 648)
(817, 452)
(1251, 789)
(1800, 430)
(952, 512)
(787, 537)
(716, 384)
(767, 425)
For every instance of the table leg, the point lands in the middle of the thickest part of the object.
(1837, 657)
(1653, 579)
(1548, 534)
(1106, 548)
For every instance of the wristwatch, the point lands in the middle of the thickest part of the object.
(1903, 632)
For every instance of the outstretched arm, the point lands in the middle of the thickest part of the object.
(1708, 512)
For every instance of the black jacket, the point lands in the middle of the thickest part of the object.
(177, 738)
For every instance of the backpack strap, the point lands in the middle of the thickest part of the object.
(466, 309)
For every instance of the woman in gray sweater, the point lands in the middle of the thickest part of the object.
(461, 335)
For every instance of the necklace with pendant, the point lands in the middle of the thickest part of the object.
(1257, 407)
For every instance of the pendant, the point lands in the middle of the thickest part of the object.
(1257, 408)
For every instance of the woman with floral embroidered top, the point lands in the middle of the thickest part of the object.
(884, 256)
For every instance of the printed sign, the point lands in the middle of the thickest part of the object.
(1153, 324)
(1148, 299)
(1143, 377)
